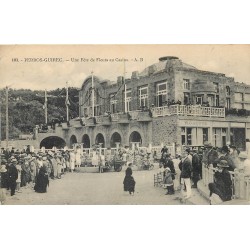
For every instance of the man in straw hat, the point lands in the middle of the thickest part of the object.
(222, 181)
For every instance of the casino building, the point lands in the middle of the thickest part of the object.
(168, 102)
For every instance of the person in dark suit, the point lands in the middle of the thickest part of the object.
(13, 175)
(185, 166)
(196, 168)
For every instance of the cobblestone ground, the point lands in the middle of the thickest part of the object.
(96, 189)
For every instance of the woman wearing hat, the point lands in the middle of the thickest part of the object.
(42, 181)
(222, 180)
(3, 181)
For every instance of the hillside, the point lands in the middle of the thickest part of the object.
(26, 109)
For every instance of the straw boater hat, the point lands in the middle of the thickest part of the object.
(3, 169)
(243, 155)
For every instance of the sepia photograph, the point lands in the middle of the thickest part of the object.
(125, 124)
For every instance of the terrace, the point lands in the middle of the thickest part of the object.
(188, 110)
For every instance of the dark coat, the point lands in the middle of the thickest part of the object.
(196, 163)
(42, 181)
(13, 174)
(129, 183)
(4, 180)
(224, 183)
(186, 168)
(230, 162)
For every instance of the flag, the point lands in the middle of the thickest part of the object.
(45, 101)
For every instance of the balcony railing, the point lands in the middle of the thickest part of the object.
(188, 110)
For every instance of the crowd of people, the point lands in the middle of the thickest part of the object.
(25, 169)
(28, 169)
(222, 160)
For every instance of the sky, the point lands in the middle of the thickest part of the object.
(76, 62)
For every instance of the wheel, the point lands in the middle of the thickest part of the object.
(118, 167)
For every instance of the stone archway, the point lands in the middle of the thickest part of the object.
(116, 137)
(86, 141)
(135, 137)
(72, 141)
(100, 139)
(53, 141)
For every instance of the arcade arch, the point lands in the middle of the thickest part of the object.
(100, 139)
(86, 141)
(115, 138)
(72, 141)
(52, 141)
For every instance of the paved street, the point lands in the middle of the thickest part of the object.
(97, 189)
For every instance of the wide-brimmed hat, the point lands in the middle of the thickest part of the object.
(13, 160)
(3, 169)
(222, 163)
(168, 169)
(243, 155)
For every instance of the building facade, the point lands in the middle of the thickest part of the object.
(168, 102)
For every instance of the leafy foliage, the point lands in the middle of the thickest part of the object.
(26, 109)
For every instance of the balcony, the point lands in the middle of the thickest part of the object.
(140, 116)
(103, 120)
(114, 117)
(189, 111)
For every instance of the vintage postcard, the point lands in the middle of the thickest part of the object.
(125, 124)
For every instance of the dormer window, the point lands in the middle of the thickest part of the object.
(186, 84)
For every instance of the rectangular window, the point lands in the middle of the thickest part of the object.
(183, 136)
(228, 104)
(143, 96)
(228, 91)
(210, 99)
(217, 101)
(128, 100)
(161, 94)
(113, 103)
(216, 86)
(189, 136)
(186, 84)
(186, 98)
(199, 100)
(205, 134)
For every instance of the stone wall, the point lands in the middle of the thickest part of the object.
(165, 130)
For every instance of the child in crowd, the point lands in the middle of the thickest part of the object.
(168, 181)
(129, 182)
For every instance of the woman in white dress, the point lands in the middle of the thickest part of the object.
(72, 161)
(78, 157)
(95, 158)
